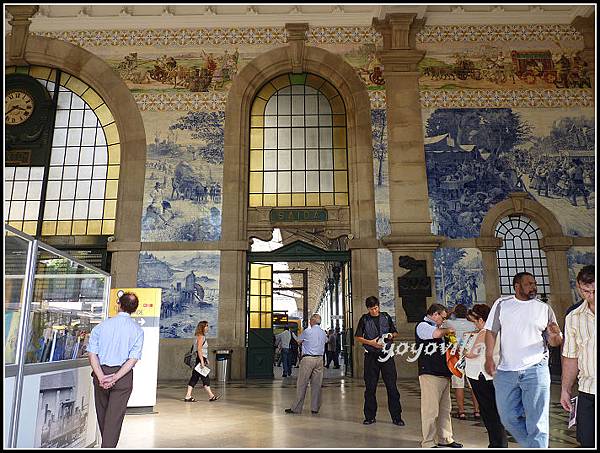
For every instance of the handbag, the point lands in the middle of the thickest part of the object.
(188, 358)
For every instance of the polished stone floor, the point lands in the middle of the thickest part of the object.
(251, 415)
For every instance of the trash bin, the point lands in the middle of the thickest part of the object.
(223, 359)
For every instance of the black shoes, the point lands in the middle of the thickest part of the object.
(289, 411)
(452, 445)
(367, 421)
(399, 422)
(314, 412)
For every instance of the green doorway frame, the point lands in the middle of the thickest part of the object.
(296, 251)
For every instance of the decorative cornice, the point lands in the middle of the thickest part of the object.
(400, 60)
(563, 98)
(556, 243)
(414, 243)
(194, 36)
(399, 30)
(488, 244)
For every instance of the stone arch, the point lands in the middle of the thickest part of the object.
(294, 57)
(97, 73)
(237, 117)
(554, 243)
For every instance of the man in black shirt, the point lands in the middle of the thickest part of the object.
(371, 327)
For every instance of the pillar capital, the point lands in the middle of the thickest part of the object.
(399, 30)
(413, 243)
(400, 61)
(556, 243)
(296, 33)
(488, 244)
(20, 22)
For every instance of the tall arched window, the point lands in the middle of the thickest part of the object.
(298, 151)
(83, 172)
(521, 252)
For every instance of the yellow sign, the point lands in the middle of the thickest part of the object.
(149, 306)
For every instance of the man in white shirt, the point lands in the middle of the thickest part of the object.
(284, 339)
(522, 379)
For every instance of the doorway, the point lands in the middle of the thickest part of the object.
(285, 286)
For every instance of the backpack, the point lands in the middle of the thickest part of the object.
(188, 358)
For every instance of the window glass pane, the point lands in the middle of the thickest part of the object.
(298, 162)
(312, 137)
(97, 189)
(297, 138)
(67, 190)
(270, 162)
(312, 159)
(284, 181)
(19, 190)
(32, 210)
(74, 137)
(298, 181)
(72, 156)
(34, 191)
(96, 209)
(298, 121)
(326, 181)
(22, 174)
(285, 159)
(284, 137)
(311, 105)
(312, 181)
(324, 107)
(324, 120)
(326, 156)
(325, 137)
(99, 172)
(62, 118)
(270, 138)
(297, 105)
(284, 121)
(284, 105)
(65, 210)
(89, 137)
(69, 173)
(81, 209)
(83, 189)
(90, 119)
(53, 190)
(270, 179)
(76, 118)
(270, 121)
(51, 210)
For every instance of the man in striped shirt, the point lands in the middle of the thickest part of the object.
(579, 357)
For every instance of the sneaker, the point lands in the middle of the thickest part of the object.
(367, 421)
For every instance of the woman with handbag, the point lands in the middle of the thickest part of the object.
(481, 382)
(201, 347)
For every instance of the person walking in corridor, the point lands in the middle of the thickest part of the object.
(481, 382)
(313, 342)
(283, 339)
(371, 327)
(434, 380)
(527, 326)
(114, 348)
(201, 350)
(579, 358)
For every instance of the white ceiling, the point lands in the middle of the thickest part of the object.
(53, 17)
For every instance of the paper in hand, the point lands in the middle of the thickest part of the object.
(203, 370)
(573, 412)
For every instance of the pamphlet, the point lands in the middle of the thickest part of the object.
(203, 370)
(573, 413)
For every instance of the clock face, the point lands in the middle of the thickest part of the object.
(19, 106)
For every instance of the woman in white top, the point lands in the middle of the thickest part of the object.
(201, 347)
(462, 325)
(481, 382)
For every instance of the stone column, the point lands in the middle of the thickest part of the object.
(20, 23)
(409, 199)
(556, 248)
(489, 247)
(585, 26)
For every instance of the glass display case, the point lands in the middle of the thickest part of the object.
(52, 302)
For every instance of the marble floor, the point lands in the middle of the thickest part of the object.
(251, 414)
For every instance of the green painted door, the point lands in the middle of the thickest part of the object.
(260, 322)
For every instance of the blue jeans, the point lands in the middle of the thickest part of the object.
(523, 400)
(286, 361)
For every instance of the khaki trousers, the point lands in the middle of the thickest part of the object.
(111, 405)
(311, 369)
(436, 405)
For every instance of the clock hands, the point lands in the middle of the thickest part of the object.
(15, 107)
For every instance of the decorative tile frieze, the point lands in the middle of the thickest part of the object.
(185, 37)
(506, 98)
(479, 33)
(216, 101)
(208, 102)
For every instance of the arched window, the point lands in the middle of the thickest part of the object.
(298, 151)
(81, 180)
(521, 252)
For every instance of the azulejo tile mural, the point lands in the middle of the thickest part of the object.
(380, 172)
(184, 176)
(385, 268)
(459, 277)
(190, 289)
(476, 157)
(577, 257)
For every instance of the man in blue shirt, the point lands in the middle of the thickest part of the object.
(114, 348)
(313, 342)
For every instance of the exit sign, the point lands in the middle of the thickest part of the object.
(298, 215)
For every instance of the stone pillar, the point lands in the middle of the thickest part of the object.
(409, 199)
(556, 248)
(20, 23)
(489, 247)
(586, 26)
